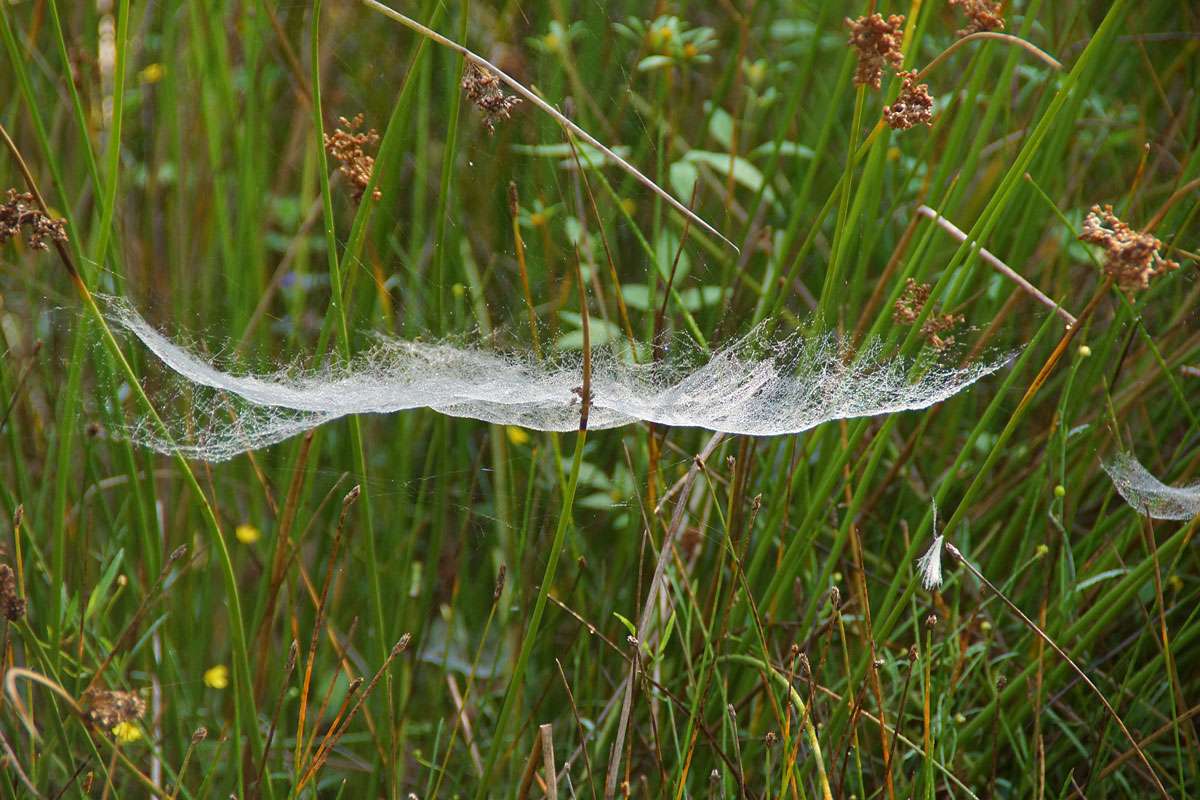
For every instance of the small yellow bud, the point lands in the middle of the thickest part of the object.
(516, 435)
(153, 73)
(216, 677)
(1041, 551)
(247, 533)
(1060, 491)
(1084, 351)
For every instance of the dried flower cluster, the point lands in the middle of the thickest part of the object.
(877, 41)
(12, 605)
(19, 212)
(1133, 257)
(346, 145)
(914, 106)
(106, 709)
(982, 15)
(908, 307)
(483, 89)
(911, 301)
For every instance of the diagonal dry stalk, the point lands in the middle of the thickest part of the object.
(995, 263)
(1041, 634)
(558, 116)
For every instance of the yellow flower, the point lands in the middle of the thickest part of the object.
(126, 732)
(216, 677)
(153, 73)
(517, 436)
(247, 533)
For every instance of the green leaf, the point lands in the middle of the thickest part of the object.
(629, 626)
(683, 176)
(637, 296)
(720, 127)
(654, 62)
(744, 172)
(100, 593)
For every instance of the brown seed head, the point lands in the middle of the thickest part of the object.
(12, 605)
(499, 590)
(908, 308)
(346, 145)
(514, 205)
(199, 735)
(877, 40)
(914, 105)
(1133, 257)
(106, 709)
(483, 89)
(982, 15)
(20, 212)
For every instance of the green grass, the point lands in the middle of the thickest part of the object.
(182, 144)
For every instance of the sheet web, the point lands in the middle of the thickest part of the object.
(1148, 494)
(754, 386)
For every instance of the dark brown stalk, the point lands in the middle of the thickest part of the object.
(334, 735)
(289, 668)
(585, 390)
(318, 623)
(514, 211)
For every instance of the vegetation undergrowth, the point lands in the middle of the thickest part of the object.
(952, 602)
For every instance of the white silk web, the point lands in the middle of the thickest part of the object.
(1148, 494)
(753, 386)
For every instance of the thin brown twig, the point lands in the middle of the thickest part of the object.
(1041, 634)
(558, 116)
(995, 263)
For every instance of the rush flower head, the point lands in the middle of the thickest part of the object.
(483, 89)
(106, 709)
(877, 41)
(913, 106)
(346, 145)
(1132, 257)
(20, 212)
(908, 308)
(982, 15)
